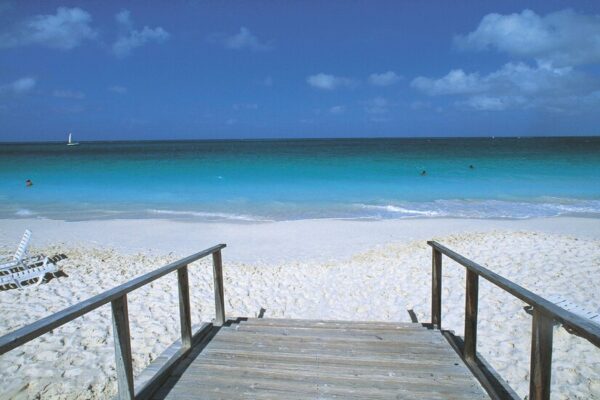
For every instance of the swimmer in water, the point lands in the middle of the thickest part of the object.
(423, 173)
(471, 166)
(28, 183)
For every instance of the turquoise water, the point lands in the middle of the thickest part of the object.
(297, 179)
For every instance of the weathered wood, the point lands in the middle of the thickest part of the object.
(364, 382)
(471, 305)
(338, 330)
(582, 326)
(219, 296)
(541, 356)
(44, 325)
(293, 362)
(185, 316)
(353, 362)
(492, 382)
(327, 324)
(159, 370)
(123, 360)
(436, 289)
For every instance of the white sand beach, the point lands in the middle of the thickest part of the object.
(317, 269)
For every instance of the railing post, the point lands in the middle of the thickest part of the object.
(219, 297)
(120, 319)
(541, 356)
(436, 289)
(471, 305)
(185, 316)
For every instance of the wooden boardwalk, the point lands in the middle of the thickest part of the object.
(303, 359)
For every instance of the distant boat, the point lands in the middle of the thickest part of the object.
(71, 142)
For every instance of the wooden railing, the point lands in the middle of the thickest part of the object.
(544, 314)
(120, 318)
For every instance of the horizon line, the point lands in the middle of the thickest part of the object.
(261, 139)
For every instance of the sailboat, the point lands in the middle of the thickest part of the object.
(71, 142)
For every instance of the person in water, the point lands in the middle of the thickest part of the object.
(423, 173)
(28, 183)
(471, 166)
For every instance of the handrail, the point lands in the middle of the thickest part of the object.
(544, 312)
(582, 326)
(118, 299)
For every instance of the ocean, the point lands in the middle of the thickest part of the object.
(265, 180)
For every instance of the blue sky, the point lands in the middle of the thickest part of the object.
(204, 69)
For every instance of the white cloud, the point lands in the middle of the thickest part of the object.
(130, 38)
(519, 78)
(328, 82)
(563, 37)
(489, 103)
(118, 89)
(20, 86)
(337, 109)
(68, 94)
(377, 106)
(65, 30)
(513, 85)
(242, 40)
(384, 79)
(123, 18)
(455, 82)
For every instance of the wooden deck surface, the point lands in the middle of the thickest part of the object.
(303, 359)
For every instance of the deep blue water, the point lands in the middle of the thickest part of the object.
(296, 179)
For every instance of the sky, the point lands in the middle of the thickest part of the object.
(145, 70)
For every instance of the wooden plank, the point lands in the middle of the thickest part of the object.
(338, 349)
(400, 373)
(471, 305)
(185, 316)
(123, 360)
(436, 289)
(25, 334)
(329, 323)
(219, 296)
(379, 334)
(324, 384)
(399, 344)
(408, 366)
(312, 389)
(222, 389)
(359, 328)
(582, 326)
(281, 341)
(541, 356)
(355, 376)
(431, 359)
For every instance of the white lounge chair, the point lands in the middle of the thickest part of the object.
(575, 308)
(20, 258)
(34, 274)
(570, 306)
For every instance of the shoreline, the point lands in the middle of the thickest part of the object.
(314, 239)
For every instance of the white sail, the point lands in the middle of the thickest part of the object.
(71, 142)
